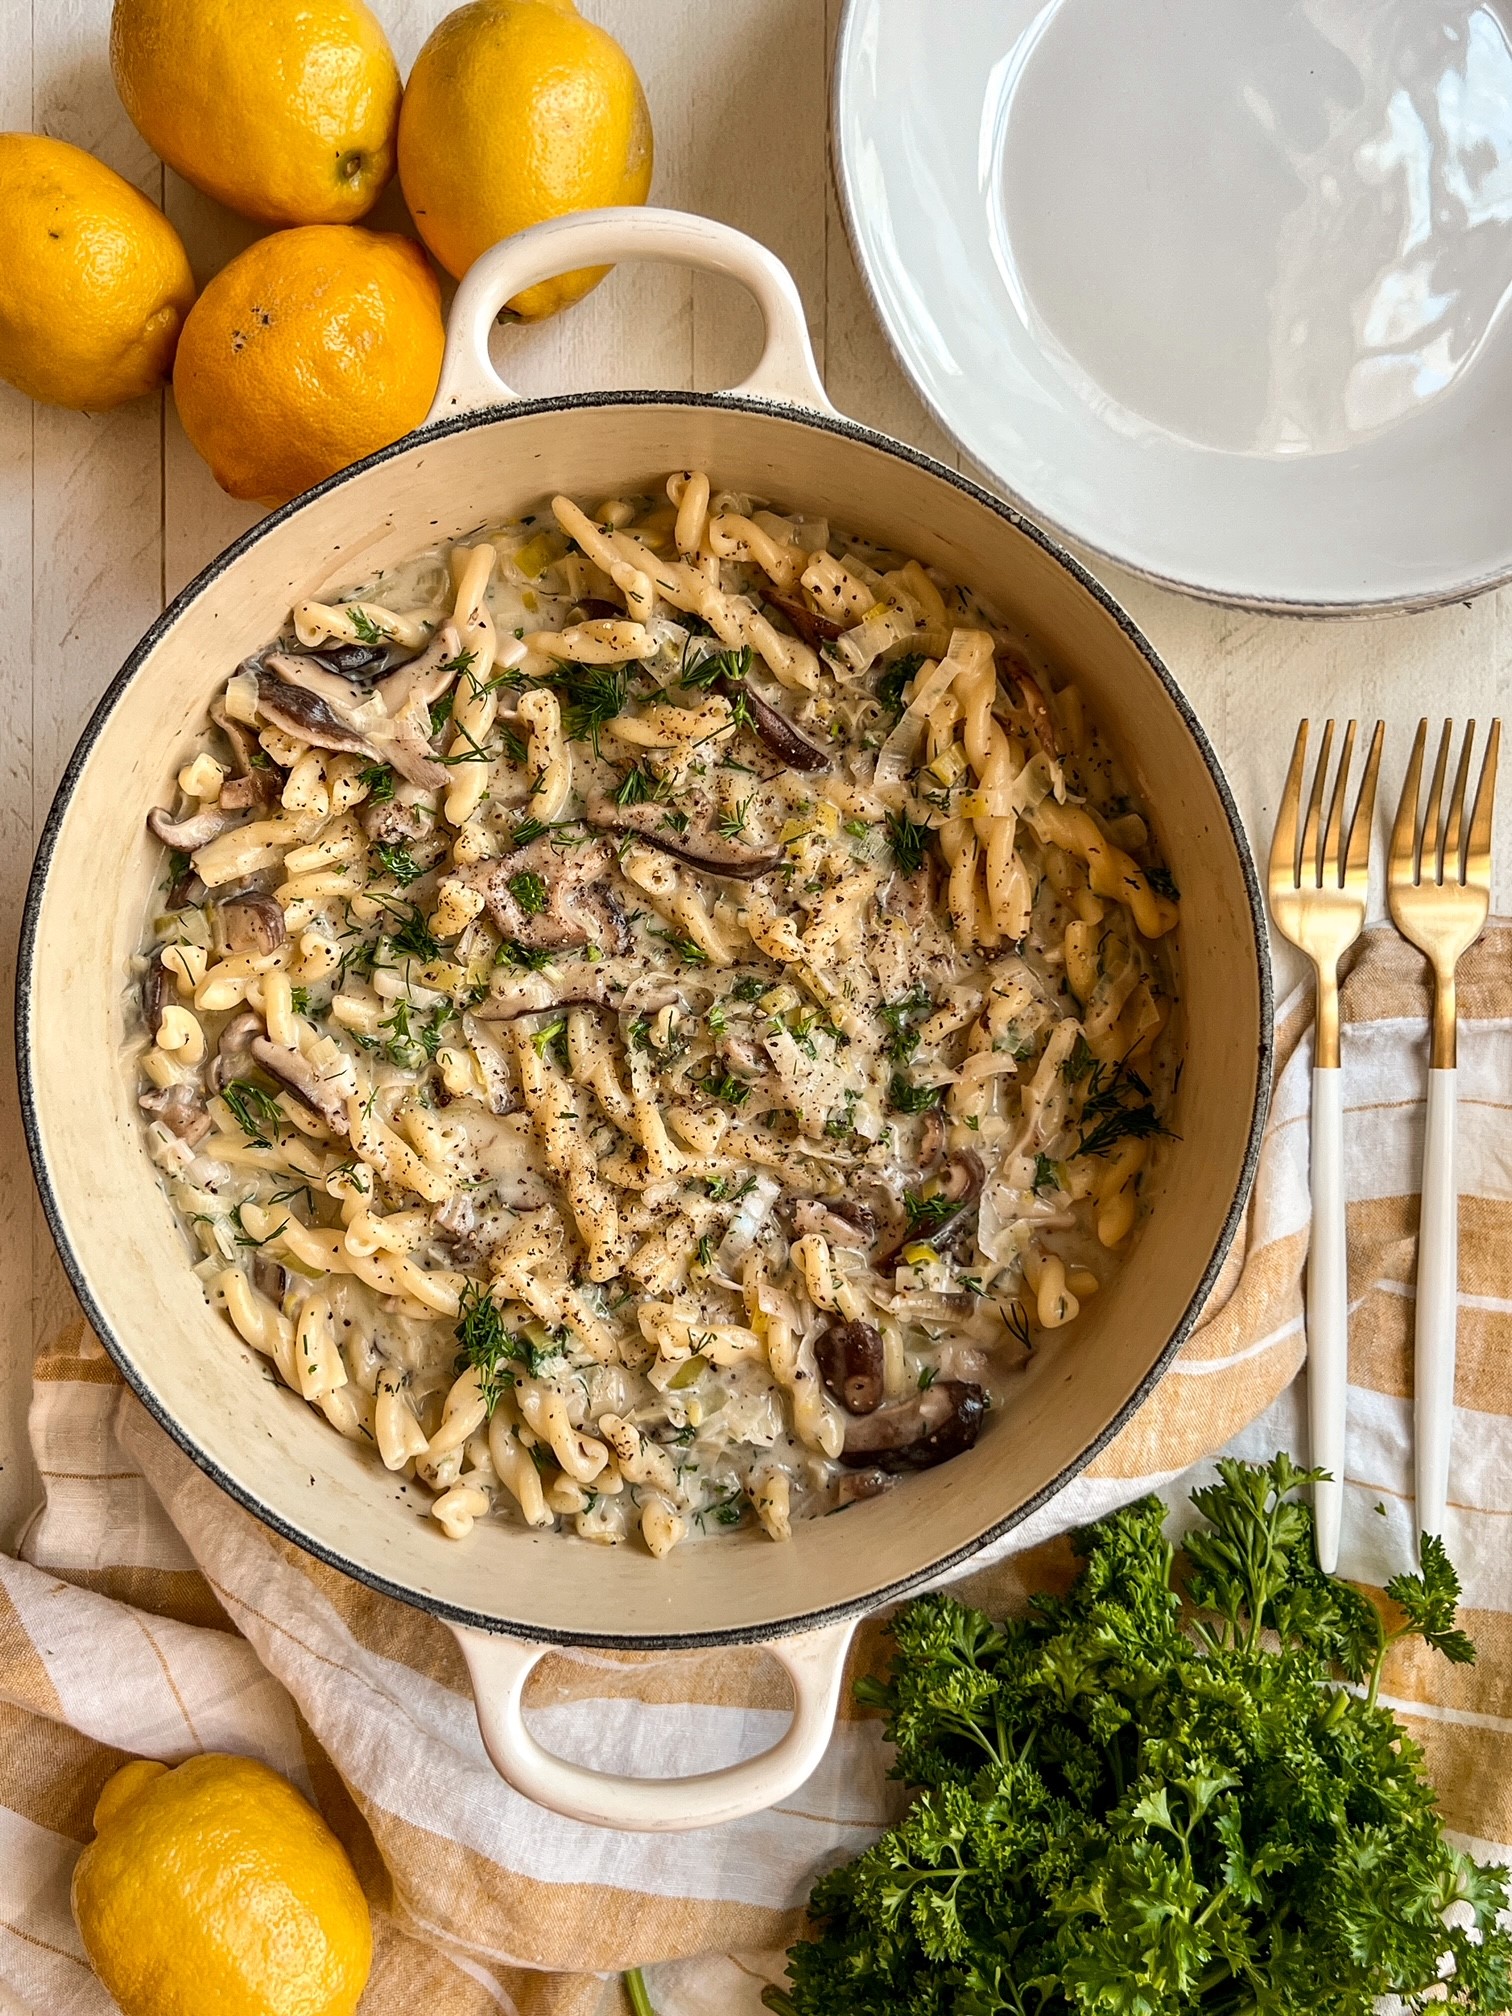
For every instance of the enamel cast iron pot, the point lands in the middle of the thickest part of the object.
(509, 1593)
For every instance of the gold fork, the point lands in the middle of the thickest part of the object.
(1438, 883)
(1318, 887)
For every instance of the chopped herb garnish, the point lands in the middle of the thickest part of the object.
(894, 678)
(928, 1214)
(726, 1086)
(368, 632)
(732, 664)
(299, 999)
(1045, 1175)
(529, 891)
(531, 957)
(900, 1017)
(412, 940)
(513, 745)
(909, 1098)
(256, 1111)
(750, 988)
(908, 842)
(1163, 883)
(639, 787)
(399, 862)
(690, 951)
(379, 779)
(526, 830)
(593, 696)
(733, 824)
(485, 1343)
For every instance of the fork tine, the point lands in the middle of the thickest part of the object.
(1430, 851)
(1478, 845)
(1283, 854)
(1454, 823)
(1312, 839)
(1362, 825)
(1331, 869)
(1402, 861)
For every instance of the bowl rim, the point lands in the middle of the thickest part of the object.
(280, 1522)
(1259, 600)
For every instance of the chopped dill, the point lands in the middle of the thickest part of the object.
(256, 1111)
(368, 632)
(399, 862)
(908, 842)
(529, 891)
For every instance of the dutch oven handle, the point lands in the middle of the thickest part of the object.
(785, 371)
(500, 1667)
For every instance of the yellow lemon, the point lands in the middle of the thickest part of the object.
(516, 111)
(310, 350)
(94, 282)
(218, 1886)
(283, 110)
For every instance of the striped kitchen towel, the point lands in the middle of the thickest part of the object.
(149, 1616)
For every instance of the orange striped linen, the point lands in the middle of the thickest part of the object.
(149, 1616)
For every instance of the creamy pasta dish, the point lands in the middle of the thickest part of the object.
(653, 1013)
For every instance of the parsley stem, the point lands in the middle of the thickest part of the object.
(638, 1996)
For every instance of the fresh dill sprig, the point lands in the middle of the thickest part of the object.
(639, 787)
(593, 696)
(894, 678)
(733, 824)
(379, 779)
(906, 1097)
(256, 1111)
(399, 862)
(908, 843)
(529, 891)
(368, 632)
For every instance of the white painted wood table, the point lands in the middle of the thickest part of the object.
(104, 518)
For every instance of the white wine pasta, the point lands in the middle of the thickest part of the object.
(675, 996)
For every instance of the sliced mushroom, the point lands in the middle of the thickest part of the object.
(231, 1051)
(269, 1278)
(836, 1219)
(181, 1108)
(303, 1080)
(697, 847)
(254, 780)
(929, 1428)
(252, 923)
(778, 733)
(307, 717)
(157, 992)
(1012, 665)
(813, 628)
(850, 1358)
(961, 1186)
(856, 1485)
(577, 911)
(350, 661)
(184, 891)
(198, 830)
(388, 722)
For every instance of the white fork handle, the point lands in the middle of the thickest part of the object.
(1437, 1304)
(1327, 1313)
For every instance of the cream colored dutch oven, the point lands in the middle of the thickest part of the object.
(509, 1593)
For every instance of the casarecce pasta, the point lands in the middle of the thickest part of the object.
(655, 1011)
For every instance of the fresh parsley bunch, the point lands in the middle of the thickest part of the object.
(1153, 1797)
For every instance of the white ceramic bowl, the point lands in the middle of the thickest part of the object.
(1216, 287)
(509, 1592)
